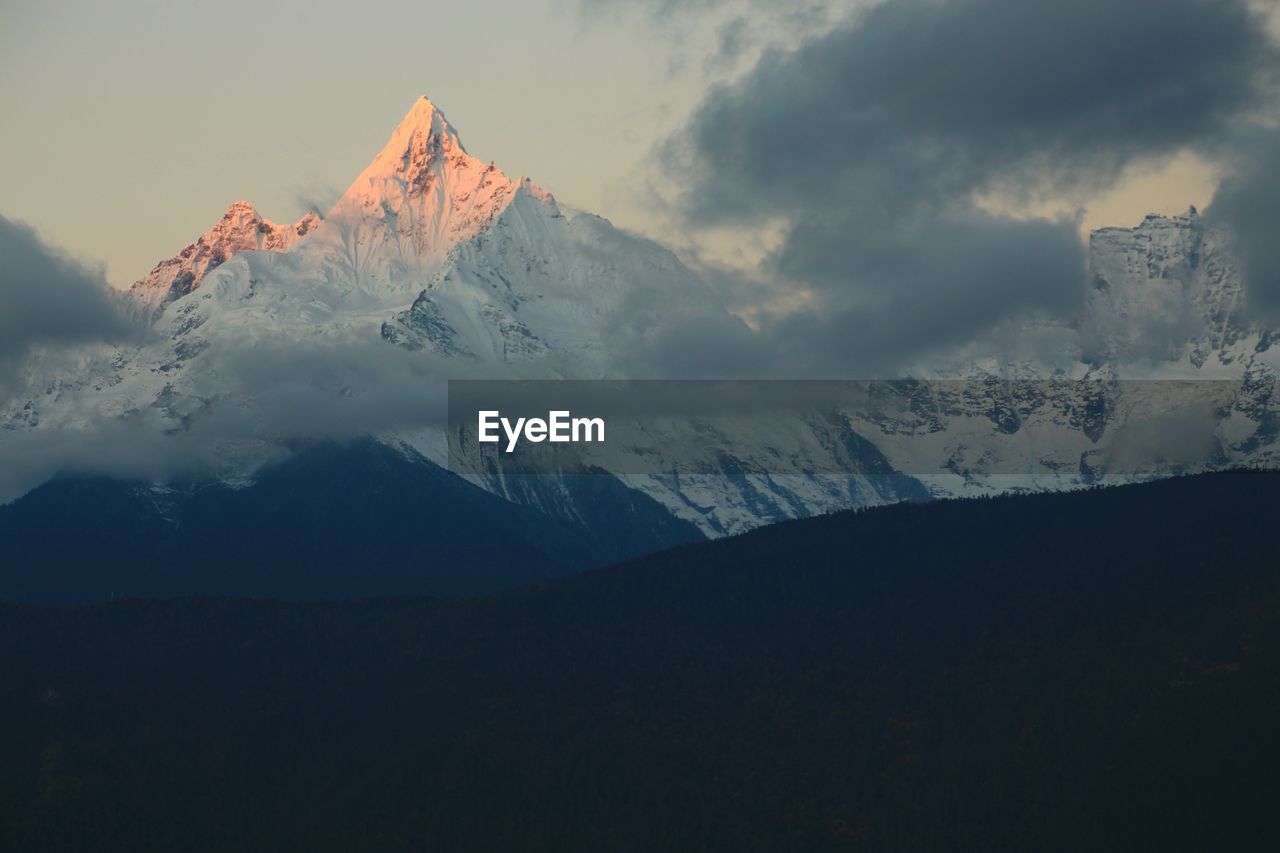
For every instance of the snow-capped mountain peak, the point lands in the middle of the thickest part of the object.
(422, 149)
(425, 125)
(436, 266)
(241, 229)
(417, 199)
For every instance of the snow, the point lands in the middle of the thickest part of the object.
(241, 229)
(435, 265)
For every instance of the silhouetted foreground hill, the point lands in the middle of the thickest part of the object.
(335, 521)
(1088, 671)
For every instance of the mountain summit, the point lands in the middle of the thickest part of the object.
(421, 195)
(423, 128)
(433, 265)
(418, 197)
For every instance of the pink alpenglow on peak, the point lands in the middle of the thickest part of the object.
(420, 197)
(425, 121)
(424, 151)
(241, 229)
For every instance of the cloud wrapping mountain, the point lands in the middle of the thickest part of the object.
(435, 265)
(1247, 205)
(871, 141)
(47, 298)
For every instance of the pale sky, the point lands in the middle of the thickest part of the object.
(129, 127)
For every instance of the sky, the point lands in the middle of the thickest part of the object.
(131, 126)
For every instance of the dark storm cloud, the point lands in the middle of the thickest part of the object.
(48, 298)
(919, 99)
(870, 142)
(1247, 205)
(931, 282)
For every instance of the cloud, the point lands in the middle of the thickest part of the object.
(1247, 206)
(675, 10)
(47, 298)
(932, 282)
(659, 9)
(918, 99)
(318, 197)
(873, 139)
(268, 399)
(726, 32)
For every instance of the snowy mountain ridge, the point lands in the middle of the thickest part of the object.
(241, 229)
(434, 265)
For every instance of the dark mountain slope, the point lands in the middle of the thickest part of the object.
(1086, 671)
(336, 521)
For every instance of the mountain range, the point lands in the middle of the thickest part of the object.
(433, 265)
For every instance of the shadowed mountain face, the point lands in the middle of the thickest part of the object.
(1094, 670)
(338, 521)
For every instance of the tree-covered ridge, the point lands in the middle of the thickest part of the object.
(1083, 671)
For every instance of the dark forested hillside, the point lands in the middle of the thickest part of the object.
(348, 520)
(1087, 671)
